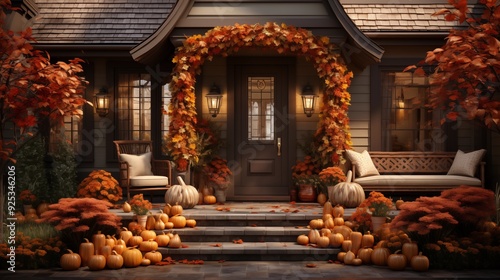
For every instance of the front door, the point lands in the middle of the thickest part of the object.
(262, 124)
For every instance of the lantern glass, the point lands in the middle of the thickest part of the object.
(308, 100)
(101, 103)
(214, 100)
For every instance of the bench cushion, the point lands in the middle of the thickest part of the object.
(466, 163)
(415, 180)
(363, 162)
(148, 181)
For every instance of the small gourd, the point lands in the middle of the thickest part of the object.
(316, 224)
(99, 241)
(97, 262)
(126, 207)
(135, 241)
(397, 261)
(321, 199)
(346, 245)
(162, 239)
(110, 241)
(410, 249)
(185, 195)
(176, 210)
(159, 224)
(148, 234)
(349, 257)
(132, 257)
(175, 241)
(338, 220)
(356, 237)
(178, 221)
(327, 208)
(368, 240)
(87, 250)
(162, 216)
(323, 241)
(313, 236)
(114, 261)
(398, 203)
(337, 211)
(149, 245)
(419, 262)
(150, 222)
(125, 234)
(347, 194)
(145, 262)
(166, 209)
(329, 223)
(191, 223)
(70, 261)
(302, 239)
(341, 256)
(153, 256)
(106, 251)
(380, 255)
(365, 254)
(209, 199)
(336, 239)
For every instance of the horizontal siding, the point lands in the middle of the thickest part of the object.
(359, 112)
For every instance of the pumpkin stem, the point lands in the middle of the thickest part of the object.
(348, 176)
(71, 252)
(179, 178)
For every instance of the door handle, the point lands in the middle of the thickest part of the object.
(279, 146)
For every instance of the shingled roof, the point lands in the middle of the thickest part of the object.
(397, 18)
(129, 22)
(99, 22)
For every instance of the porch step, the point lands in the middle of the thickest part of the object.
(249, 251)
(245, 233)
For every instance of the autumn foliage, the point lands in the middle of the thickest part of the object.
(32, 89)
(465, 77)
(333, 134)
(79, 218)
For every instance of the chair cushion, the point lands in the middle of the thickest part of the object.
(416, 180)
(363, 162)
(148, 181)
(466, 163)
(139, 165)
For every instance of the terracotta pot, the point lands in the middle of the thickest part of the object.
(307, 193)
(141, 220)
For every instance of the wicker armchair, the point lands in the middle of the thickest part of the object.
(139, 171)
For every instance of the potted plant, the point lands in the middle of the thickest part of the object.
(306, 179)
(218, 175)
(378, 206)
(331, 176)
(140, 207)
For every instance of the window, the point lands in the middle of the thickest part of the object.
(136, 110)
(70, 131)
(260, 108)
(134, 106)
(406, 124)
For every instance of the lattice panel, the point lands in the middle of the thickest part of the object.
(413, 163)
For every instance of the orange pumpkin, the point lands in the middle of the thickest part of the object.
(209, 199)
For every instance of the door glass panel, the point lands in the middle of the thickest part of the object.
(260, 108)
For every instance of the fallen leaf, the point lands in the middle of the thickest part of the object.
(221, 261)
(272, 211)
(184, 246)
(216, 245)
(239, 241)
(219, 208)
(295, 211)
(253, 225)
(311, 265)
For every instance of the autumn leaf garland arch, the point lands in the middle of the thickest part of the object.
(332, 135)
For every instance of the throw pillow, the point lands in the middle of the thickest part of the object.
(465, 164)
(139, 165)
(363, 162)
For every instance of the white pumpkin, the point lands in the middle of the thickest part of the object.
(184, 195)
(347, 194)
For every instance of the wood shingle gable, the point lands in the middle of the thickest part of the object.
(98, 22)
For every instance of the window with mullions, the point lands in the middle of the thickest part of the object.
(406, 124)
(134, 106)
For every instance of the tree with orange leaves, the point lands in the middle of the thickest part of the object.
(33, 91)
(465, 70)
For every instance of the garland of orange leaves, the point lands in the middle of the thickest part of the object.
(332, 135)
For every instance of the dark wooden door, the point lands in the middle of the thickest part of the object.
(261, 130)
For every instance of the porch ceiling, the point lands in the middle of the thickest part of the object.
(323, 18)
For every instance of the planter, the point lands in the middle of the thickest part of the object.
(220, 195)
(307, 193)
(141, 220)
(377, 222)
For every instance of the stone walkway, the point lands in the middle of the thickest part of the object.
(253, 270)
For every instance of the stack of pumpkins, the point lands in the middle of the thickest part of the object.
(358, 248)
(31, 214)
(127, 251)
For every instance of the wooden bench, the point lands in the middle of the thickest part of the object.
(402, 172)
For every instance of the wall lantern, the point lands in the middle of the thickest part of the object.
(308, 100)
(214, 98)
(400, 100)
(101, 102)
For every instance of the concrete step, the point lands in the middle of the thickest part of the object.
(270, 251)
(246, 233)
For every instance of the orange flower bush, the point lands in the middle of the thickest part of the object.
(330, 176)
(27, 197)
(333, 135)
(362, 219)
(304, 168)
(79, 218)
(38, 245)
(377, 204)
(140, 206)
(100, 184)
(217, 172)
